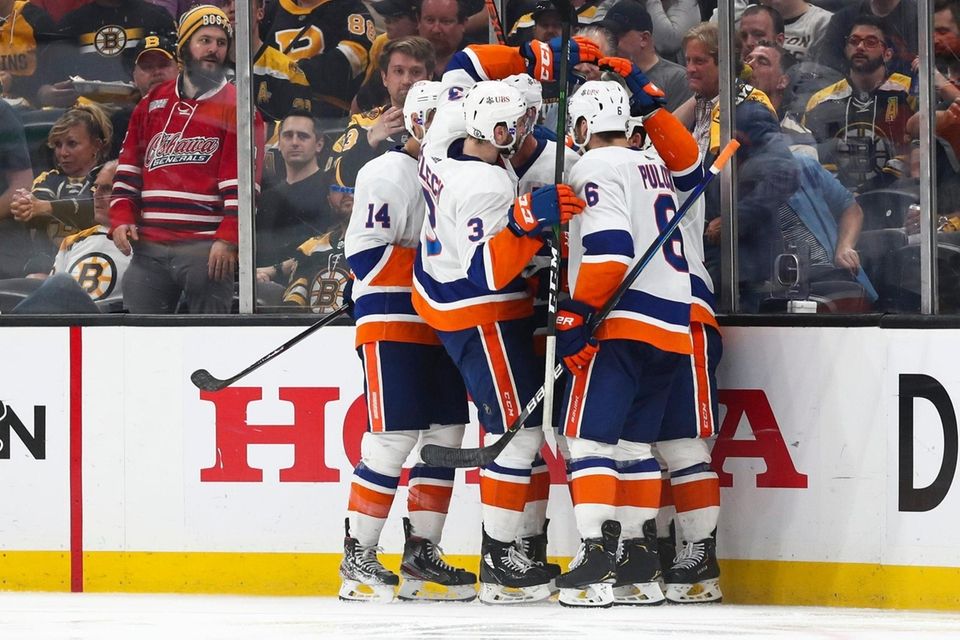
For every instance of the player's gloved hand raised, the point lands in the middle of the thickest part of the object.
(543, 58)
(575, 345)
(544, 207)
(645, 97)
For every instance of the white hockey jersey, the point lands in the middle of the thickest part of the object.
(94, 261)
(630, 198)
(380, 246)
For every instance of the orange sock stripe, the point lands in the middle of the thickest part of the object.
(429, 497)
(371, 365)
(638, 493)
(701, 380)
(369, 502)
(500, 369)
(594, 489)
(700, 494)
(504, 495)
(539, 488)
(666, 493)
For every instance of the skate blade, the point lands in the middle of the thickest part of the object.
(705, 591)
(354, 591)
(411, 589)
(639, 594)
(592, 595)
(499, 594)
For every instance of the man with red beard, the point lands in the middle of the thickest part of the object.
(175, 193)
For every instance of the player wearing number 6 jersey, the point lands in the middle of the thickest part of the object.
(414, 392)
(615, 401)
(476, 241)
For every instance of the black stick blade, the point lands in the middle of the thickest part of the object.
(456, 458)
(205, 381)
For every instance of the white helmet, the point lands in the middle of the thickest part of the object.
(421, 100)
(531, 89)
(490, 103)
(603, 104)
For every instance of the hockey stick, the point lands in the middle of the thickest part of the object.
(550, 350)
(495, 21)
(205, 381)
(451, 457)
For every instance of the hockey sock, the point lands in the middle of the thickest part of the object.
(504, 484)
(696, 493)
(667, 511)
(593, 484)
(428, 500)
(638, 494)
(371, 495)
(535, 511)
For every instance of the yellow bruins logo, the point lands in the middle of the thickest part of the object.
(95, 273)
(110, 40)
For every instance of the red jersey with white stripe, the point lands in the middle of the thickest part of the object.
(380, 246)
(177, 174)
(630, 198)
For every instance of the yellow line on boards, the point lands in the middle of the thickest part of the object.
(315, 574)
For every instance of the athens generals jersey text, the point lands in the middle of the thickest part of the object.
(381, 246)
(177, 177)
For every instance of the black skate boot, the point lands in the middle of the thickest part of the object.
(535, 548)
(667, 549)
(363, 577)
(589, 582)
(507, 576)
(422, 565)
(695, 574)
(638, 570)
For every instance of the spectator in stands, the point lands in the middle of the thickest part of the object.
(175, 194)
(860, 122)
(897, 18)
(769, 63)
(671, 20)
(369, 134)
(57, 9)
(177, 8)
(153, 61)
(288, 213)
(402, 18)
(443, 23)
(60, 202)
(90, 41)
(15, 175)
(543, 21)
(804, 25)
(24, 33)
(759, 23)
(329, 40)
(633, 28)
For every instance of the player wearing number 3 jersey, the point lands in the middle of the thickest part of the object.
(468, 284)
(414, 393)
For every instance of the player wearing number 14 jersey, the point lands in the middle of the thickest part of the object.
(414, 393)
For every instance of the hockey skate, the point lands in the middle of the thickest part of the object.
(363, 578)
(427, 577)
(667, 550)
(695, 574)
(535, 548)
(508, 576)
(638, 570)
(589, 582)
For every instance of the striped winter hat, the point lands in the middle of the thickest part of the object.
(204, 15)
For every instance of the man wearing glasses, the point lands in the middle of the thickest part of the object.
(860, 122)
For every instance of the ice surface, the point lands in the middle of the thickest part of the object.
(58, 616)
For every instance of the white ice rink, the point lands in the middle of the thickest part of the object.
(169, 617)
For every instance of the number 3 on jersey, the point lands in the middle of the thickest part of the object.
(382, 216)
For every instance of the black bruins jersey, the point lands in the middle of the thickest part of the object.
(331, 45)
(321, 276)
(91, 40)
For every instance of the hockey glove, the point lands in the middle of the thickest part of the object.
(544, 207)
(645, 97)
(543, 58)
(575, 345)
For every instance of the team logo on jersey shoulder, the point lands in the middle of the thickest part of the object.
(157, 104)
(110, 40)
(96, 273)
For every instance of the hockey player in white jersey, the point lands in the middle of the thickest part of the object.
(691, 573)
(414, 392)
(623, 372)
(468, 285)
